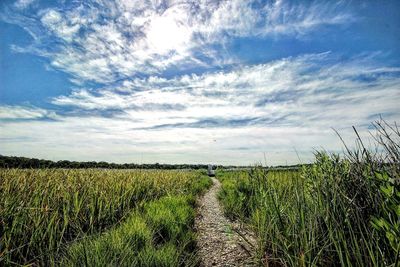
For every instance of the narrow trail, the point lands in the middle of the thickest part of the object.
(218, 241)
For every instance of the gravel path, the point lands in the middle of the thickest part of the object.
(218, 241)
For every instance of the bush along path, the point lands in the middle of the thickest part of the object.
(221, 242)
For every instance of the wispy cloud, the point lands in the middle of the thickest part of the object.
(105, 41)
(273, 108)
(310, 89)
(22, 4)
(137, 98)
(8, 112)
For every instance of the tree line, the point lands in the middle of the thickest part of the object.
(33, 163)
(27, 163)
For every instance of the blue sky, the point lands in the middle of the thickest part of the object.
(194, 81)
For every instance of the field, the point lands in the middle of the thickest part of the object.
(93, 217)
(341, 210)
(336, 212)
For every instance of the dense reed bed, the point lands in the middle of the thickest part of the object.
(42, 212)
(340, 211)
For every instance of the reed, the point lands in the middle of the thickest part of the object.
(340, 211)
(43, 211)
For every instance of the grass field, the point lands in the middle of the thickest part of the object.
(314, 217)
(91, 217)
(340, 211)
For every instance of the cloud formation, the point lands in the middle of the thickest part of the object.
(307, 90)
(155, 81)
(105, 41)
(274, 108)
(22, 4)
(8, 112)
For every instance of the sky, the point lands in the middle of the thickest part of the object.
(224, 82)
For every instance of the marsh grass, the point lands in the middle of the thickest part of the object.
(157, 235)
(43, 211)
(340, 211)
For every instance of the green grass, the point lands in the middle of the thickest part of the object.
(316, 216)
(340, 211)
(158, 235)
(44, 212)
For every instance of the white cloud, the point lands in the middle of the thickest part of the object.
(222, 117)
(22, 4)
(23, 112)
(62, 28)
(167, 33)
(105, 41)
(290, 90)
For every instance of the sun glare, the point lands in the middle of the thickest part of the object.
(165, 34)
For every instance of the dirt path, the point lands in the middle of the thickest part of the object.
(218, 241)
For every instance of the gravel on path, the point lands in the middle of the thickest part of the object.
(218, 241)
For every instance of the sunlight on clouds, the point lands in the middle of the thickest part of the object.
(135, 98)
(105, 41)
(274, 108)
(165, 33)
(284, 92)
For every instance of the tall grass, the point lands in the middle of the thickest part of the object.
(341, 211)
(42, 211)
(157, 235)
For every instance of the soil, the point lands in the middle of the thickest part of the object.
(221, 242)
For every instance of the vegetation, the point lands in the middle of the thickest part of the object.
(22, 162)
(55, 216)
(32, 163)
(340, 211)
(160, 235)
